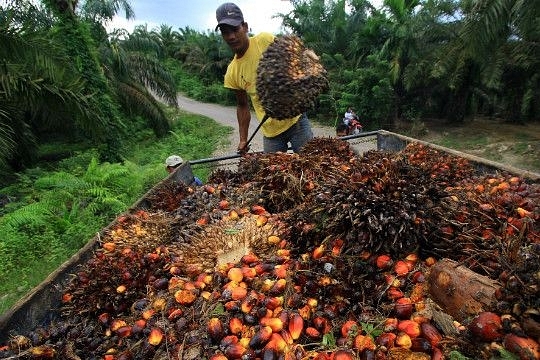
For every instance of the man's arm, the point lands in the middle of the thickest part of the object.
(243, 115)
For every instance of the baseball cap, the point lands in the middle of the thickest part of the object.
(173, 160)
(229, 14)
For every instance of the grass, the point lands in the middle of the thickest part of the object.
(55, 208)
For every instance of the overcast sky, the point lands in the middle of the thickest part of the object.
(201, 15)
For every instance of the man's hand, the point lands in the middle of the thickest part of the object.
(243, 147)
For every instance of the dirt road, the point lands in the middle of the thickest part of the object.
(226, 115)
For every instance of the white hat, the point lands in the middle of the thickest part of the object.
(173, 160)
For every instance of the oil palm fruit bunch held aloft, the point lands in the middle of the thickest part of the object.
(289, 78)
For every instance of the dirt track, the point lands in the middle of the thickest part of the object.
(226, 115)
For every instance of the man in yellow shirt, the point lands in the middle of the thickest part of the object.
(241, 77)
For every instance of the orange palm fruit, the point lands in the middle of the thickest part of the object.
(296, 325)
(403, 340)
(235, 274)
(234, 351)
(238, 293)
(235, 325)
(318, 252)
(155, 337)
(185, 297)
(280, 271)
(273, 322)
(279, 287)
(401, 268)
(109, 246)
(215, 329)
(364, 342)
(261, 220)
(261, 337)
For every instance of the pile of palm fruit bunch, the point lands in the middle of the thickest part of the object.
(322, 254)
(289, 78)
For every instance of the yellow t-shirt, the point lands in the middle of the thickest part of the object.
(242, 74)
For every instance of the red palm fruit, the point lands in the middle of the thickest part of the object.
(223, 204)
(296, 325)
(337, 246)
(218, 357)
(264, 268)
(261, 337)
(431, 333)
(383, 262)
(209, 189)
(487, 326)
(124, 331)
(232, 305)
(349, 328)
(321, 323)
(273, 302)
(312, 332)
(421, 345)
(525, 348)
(249, 259)
(403, 308)
(386, 339)
(235, 325)
(283, 315)
(215, 329)
(104, 318)
(258, 210)
(401, 268)
(437, 354)
(418, 277)
(109, 246)
(234, 351)
(364, 342)
(279, 287)
(342, 355)
(228, 340)
(394, 293)
(274, 323)
(138, 326)
(318, 252)
(155, 337)
(235, 274)
(410, 328)
(286, 335)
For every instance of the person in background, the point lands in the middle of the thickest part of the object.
(241, 77)
(349, 115)
(173, 162)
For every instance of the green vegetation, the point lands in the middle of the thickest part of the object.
(49, 214)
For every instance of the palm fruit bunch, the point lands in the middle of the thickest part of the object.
(289, 78)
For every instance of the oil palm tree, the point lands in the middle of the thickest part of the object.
(38, 87)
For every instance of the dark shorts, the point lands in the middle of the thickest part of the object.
(297, 135)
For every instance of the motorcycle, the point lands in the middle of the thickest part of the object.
(354, 127)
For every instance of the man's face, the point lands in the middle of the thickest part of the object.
(236, 37)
